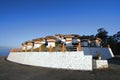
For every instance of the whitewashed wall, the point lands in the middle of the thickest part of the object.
(106, 53)
(65, 60)
(23, 48)
(50, 43)
(100, 64)
(69, 44)
(29, 47)
(37, 45)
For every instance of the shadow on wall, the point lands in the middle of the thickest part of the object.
(115, 48)
(115, 60)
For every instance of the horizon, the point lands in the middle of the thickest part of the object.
(23, 20)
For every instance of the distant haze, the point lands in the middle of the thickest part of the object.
(4, 51)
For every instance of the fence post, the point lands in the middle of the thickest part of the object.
(79, 47)
(25, 48)
(32, 48)
(63, 48)
(39, 48)
(50, 49)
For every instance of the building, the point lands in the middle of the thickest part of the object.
(77, 53)
(38, 42)
(50, 41)
(68, 39)
(29, 44)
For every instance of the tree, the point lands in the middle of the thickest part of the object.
(102, 33)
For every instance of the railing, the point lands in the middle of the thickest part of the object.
(62, 48)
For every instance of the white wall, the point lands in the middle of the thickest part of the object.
(100, 64)
(106, 53)
(69, 44)
(65, 60)
(23, 48)
(37, 45)
(29, 47)
(51, 43)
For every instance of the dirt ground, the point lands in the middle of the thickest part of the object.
(14, 71)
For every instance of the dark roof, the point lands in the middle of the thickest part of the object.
(50, 37)
(39, 39)
(25, 43)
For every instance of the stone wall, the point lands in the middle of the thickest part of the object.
(64, 60)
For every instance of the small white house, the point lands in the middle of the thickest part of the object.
(27, 45)
(38, 42)
(84, 42)
(23, 46)
(50, 41)
(69, 40)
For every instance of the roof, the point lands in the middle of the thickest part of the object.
(68, 36)
(39, 39)
(59, 35)
(25, 43)
(50, 37)
(28, 41)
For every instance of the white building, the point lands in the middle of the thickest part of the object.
(50, 41)
(27, 45)
(68, 39)
(69, 59)
(38, 42)
(23, 46)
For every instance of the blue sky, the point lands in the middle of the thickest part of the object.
(22, 20)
